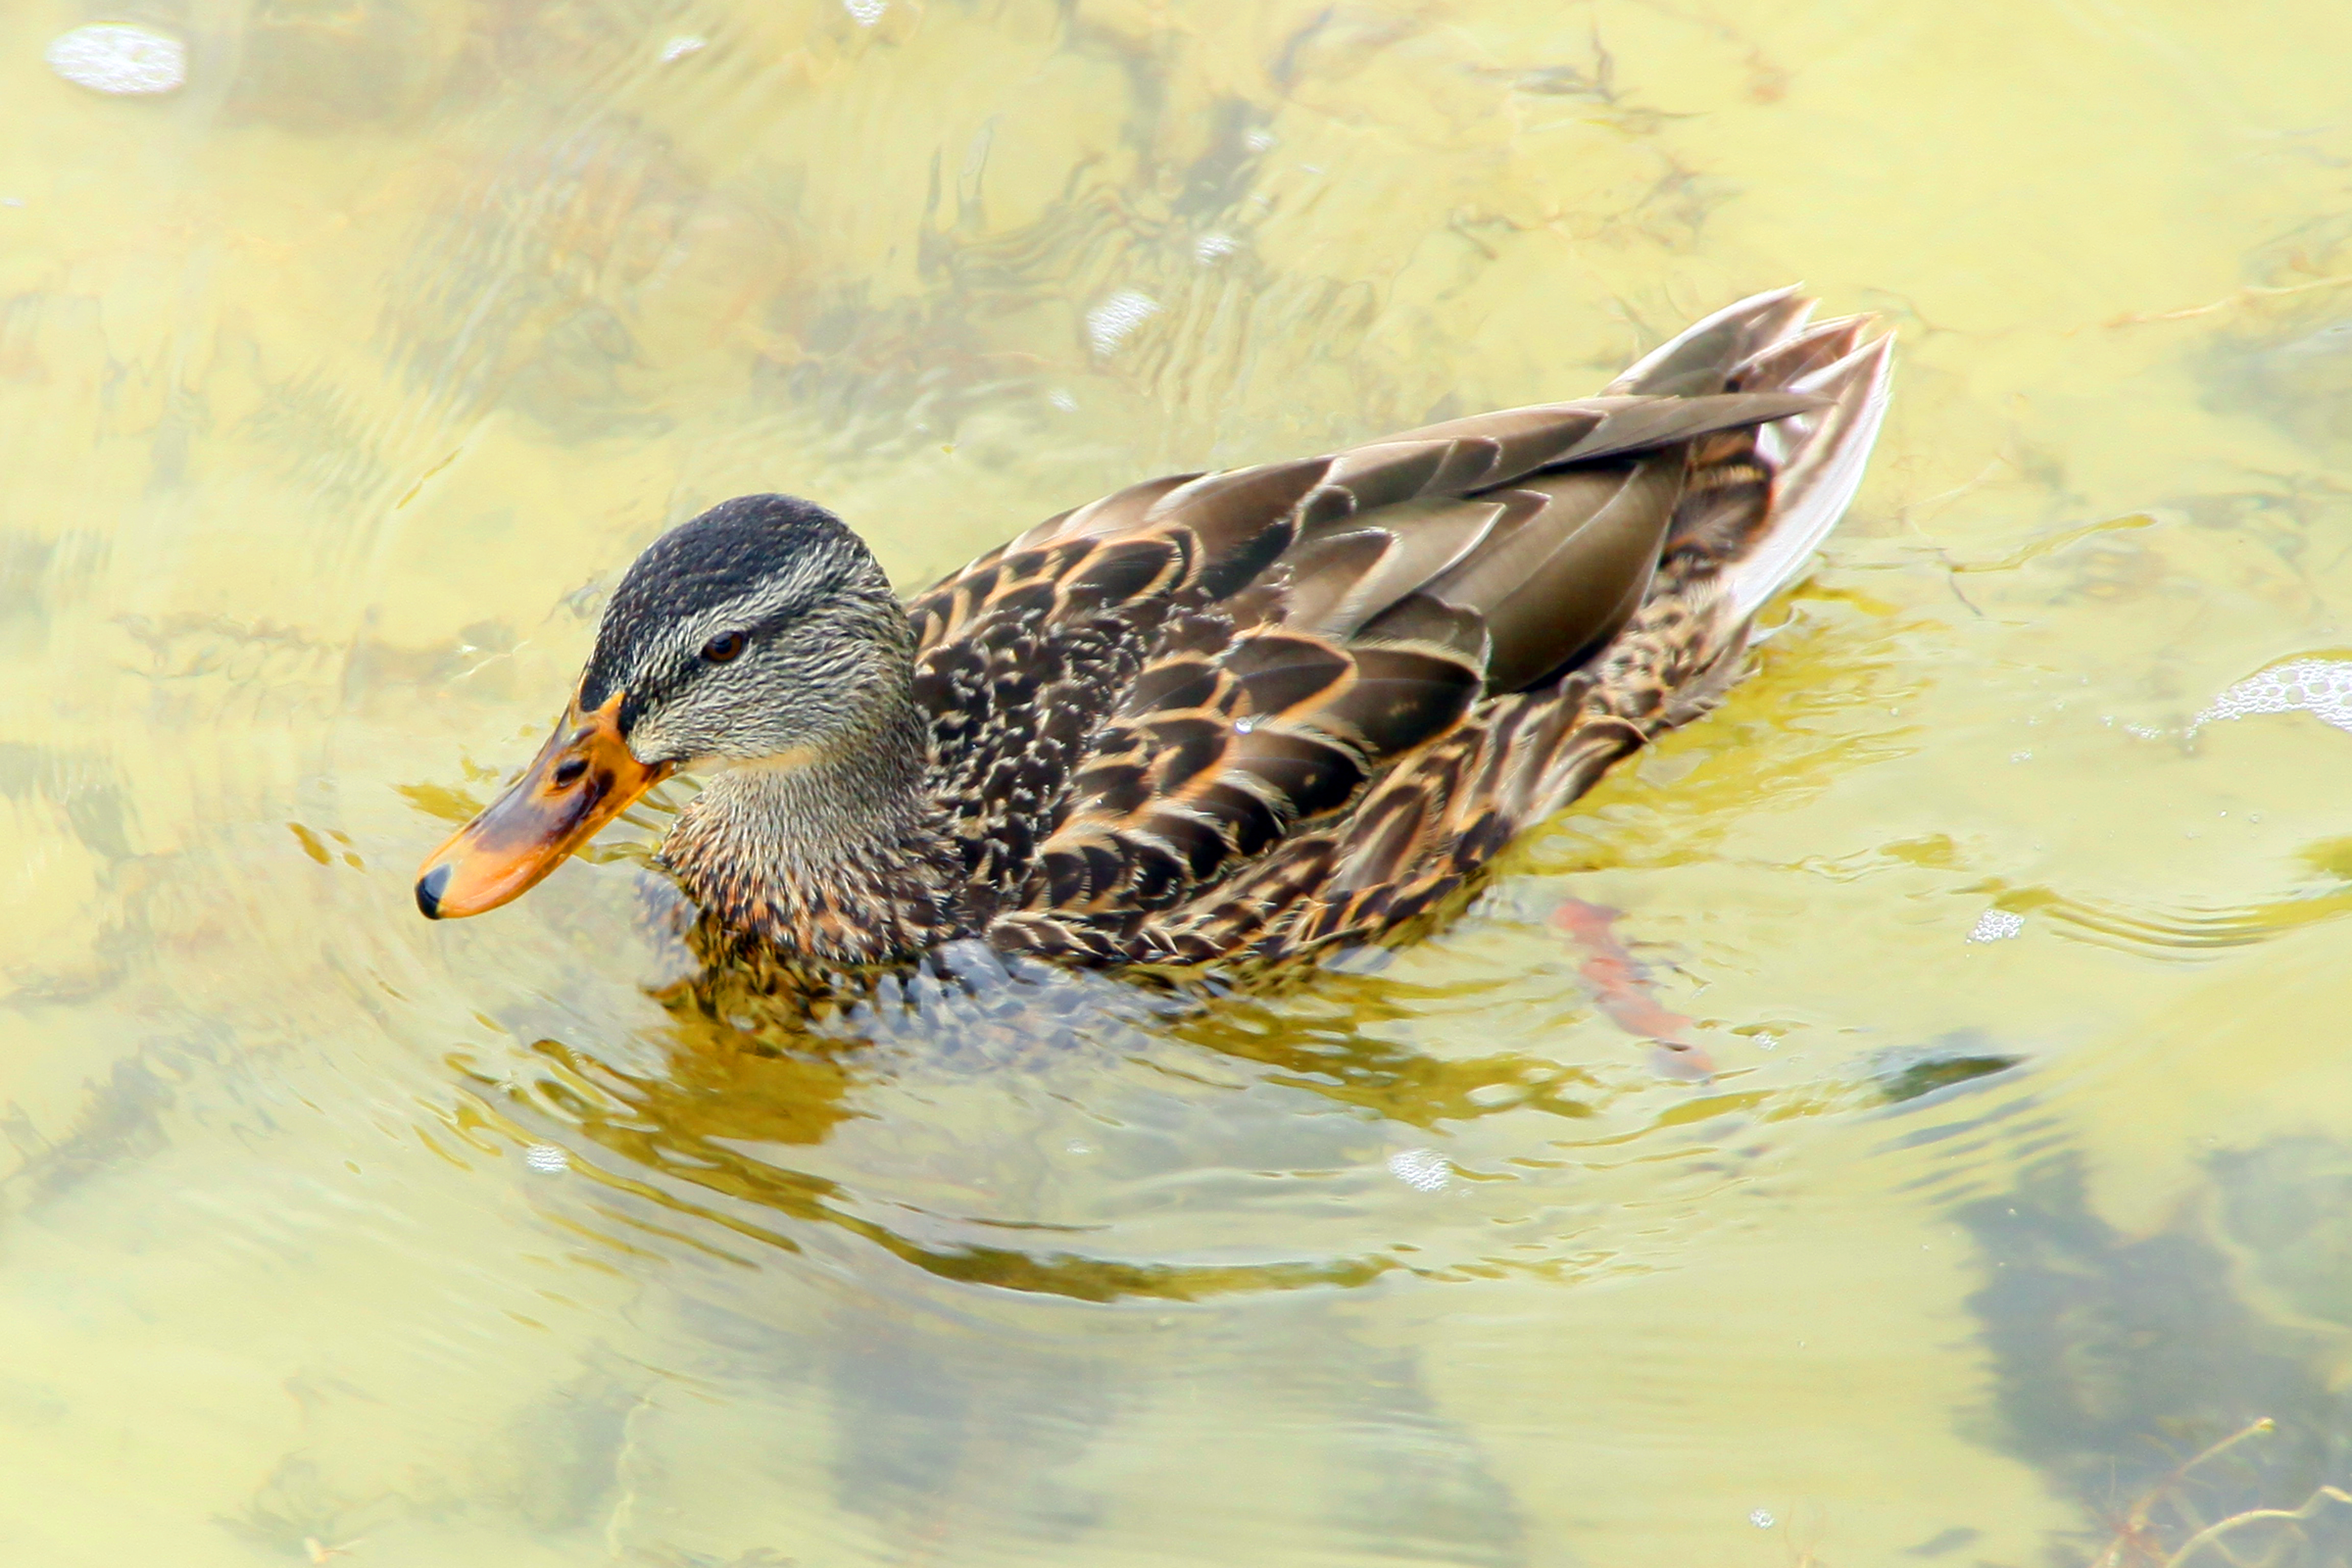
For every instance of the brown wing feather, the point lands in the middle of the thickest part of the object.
(1279, 706)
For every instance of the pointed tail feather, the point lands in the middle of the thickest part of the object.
(1763, 345)
(1821, 457)
(1699, 359)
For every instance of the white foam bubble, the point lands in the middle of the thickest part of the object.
(2319, 687)
(1424, 1170)
(1996, 925)
(116, 58)
(1109, 323)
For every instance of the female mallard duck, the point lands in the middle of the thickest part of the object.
(1214, 716)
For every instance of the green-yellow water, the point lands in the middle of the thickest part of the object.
(336, 387)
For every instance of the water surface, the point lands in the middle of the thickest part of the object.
(338, 385)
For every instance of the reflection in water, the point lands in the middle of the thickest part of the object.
(721, 1140)
(683, 1136)
(2131, 1371)
(745, 1078)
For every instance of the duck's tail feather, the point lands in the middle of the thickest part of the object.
(1756, 504)
(1820, 457)
(1761, 501)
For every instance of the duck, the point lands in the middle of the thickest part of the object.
(1227, 718)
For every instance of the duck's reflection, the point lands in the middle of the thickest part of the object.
(745, 1074)
(810, 1386)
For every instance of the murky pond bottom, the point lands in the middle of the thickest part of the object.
(337, 382)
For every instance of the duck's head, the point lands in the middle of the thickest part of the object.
(763, 631)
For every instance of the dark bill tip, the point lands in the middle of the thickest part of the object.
(429, 888)
(582, 778)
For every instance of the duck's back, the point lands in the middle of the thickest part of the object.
(1254, 712)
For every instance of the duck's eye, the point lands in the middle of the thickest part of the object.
(724, 647)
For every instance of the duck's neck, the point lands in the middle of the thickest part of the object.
(828, 855)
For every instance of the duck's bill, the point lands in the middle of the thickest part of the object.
(582, 779)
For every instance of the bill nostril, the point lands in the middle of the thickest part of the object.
(567, 772)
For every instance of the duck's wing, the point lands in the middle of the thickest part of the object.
(1143, 701)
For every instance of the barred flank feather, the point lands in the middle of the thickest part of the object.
(1252, 714)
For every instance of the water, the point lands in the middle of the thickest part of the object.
(337, 386)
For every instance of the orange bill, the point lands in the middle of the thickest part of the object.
(582, 779)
